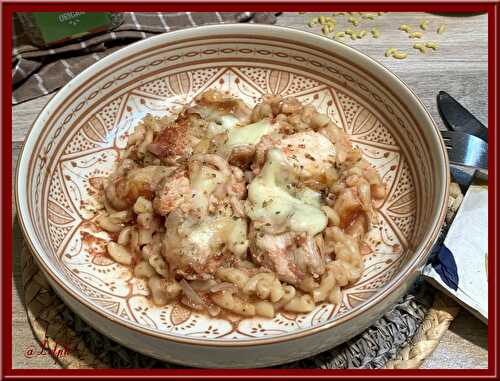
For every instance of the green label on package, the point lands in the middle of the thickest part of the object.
(57, 26)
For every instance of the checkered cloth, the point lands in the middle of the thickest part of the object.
(38, 71)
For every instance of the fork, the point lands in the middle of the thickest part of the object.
(466, 150)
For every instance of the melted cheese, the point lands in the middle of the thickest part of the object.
(222, 124)
(212, 231)
(206, 179)
(272, 201)
(246, 135)
(308, 152)
(203, 183)
(209, 234)
(249, 134)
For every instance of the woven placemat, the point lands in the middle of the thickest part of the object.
(403, 338)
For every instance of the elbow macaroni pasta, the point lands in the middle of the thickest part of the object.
(177, 207)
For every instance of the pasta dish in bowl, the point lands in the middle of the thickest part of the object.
(223, 207)
(232, 195)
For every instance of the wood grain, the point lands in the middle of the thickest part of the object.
(458, 67)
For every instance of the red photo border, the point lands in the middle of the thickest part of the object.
(7, 9)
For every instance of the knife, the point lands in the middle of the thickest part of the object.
(457, 118)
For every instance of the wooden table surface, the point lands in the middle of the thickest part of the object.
(459, 67)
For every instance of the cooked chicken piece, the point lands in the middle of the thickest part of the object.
(339, 138)
(217, 123)
(307, 256)
(196, 247)
(172, 193)
(189, 247)
(291, 255)
(223, 110)
(348, 206)
(203, 205)
(284, 221)
(274, 252)
(213, 113)
(309, 153)
(177, 141)
(208, 180)
(123, 190)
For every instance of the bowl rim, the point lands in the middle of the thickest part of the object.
(421, 252)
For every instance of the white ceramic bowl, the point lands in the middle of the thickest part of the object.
(75, 140)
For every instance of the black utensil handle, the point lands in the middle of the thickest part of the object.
(458, 118)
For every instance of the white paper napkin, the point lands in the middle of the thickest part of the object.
(467, 239)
